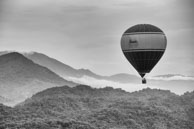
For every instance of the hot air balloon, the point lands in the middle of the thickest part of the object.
(143, 45)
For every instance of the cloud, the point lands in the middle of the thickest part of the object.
(172, 78)
(130, 87)
(172, 85)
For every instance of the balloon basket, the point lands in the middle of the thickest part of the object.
(144, 81)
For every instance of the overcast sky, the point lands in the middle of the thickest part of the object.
(87, 33)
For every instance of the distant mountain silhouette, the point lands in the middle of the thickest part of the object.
(68, 71)
(21, 77)
(53, 64)
(173, 82)
(83, 107)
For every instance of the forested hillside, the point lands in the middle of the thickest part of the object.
(83, 107)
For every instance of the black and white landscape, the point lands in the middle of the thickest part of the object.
(62, 64)
(41, 98)
(24, 74)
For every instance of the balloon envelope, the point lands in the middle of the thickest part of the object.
(143, 45)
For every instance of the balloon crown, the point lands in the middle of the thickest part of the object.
(143, 28)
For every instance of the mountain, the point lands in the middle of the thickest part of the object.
(53, 64)
(83, 107)
(173, 82)
(69, 72)
(21, 77)
(57, 66)
(66, 71)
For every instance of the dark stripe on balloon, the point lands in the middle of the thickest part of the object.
(135, 50)
(134, 33)
(143, 61)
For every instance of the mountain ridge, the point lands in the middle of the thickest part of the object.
(49, 62)
(59, 68)
(123, 80)
(21, 77)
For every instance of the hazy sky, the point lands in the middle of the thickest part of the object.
(87, 33)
